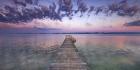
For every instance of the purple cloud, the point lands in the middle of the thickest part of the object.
(60, 9)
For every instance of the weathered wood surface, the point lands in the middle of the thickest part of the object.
(67, 57)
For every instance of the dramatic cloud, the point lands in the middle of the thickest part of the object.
(19, 2)
(21, 12)
(28, 14)
(66, 6)
(134, 23)
(124, 9)
(82, 7)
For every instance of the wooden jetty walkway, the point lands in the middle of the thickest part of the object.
(67, 57)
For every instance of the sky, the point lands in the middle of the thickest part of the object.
(69, 16)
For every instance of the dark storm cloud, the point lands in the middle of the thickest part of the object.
(19, 2)
(12, 14)
(91, 9)
(60, 9)
(134, 23)
(29, 1)
(123, 8)
(98, 10)
(24, 2)
(82, 7)
(65, 6)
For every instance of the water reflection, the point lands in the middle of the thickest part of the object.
(33, 40)
(110, 52)
(101, 52)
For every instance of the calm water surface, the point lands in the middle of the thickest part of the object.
(101, 52)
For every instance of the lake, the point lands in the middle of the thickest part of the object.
(101, 52)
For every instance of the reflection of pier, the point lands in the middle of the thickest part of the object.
(67, 57)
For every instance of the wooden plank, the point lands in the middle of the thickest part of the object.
(67, 57)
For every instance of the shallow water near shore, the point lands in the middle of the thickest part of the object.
(101, 52)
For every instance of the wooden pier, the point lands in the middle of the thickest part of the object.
(67, 57)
